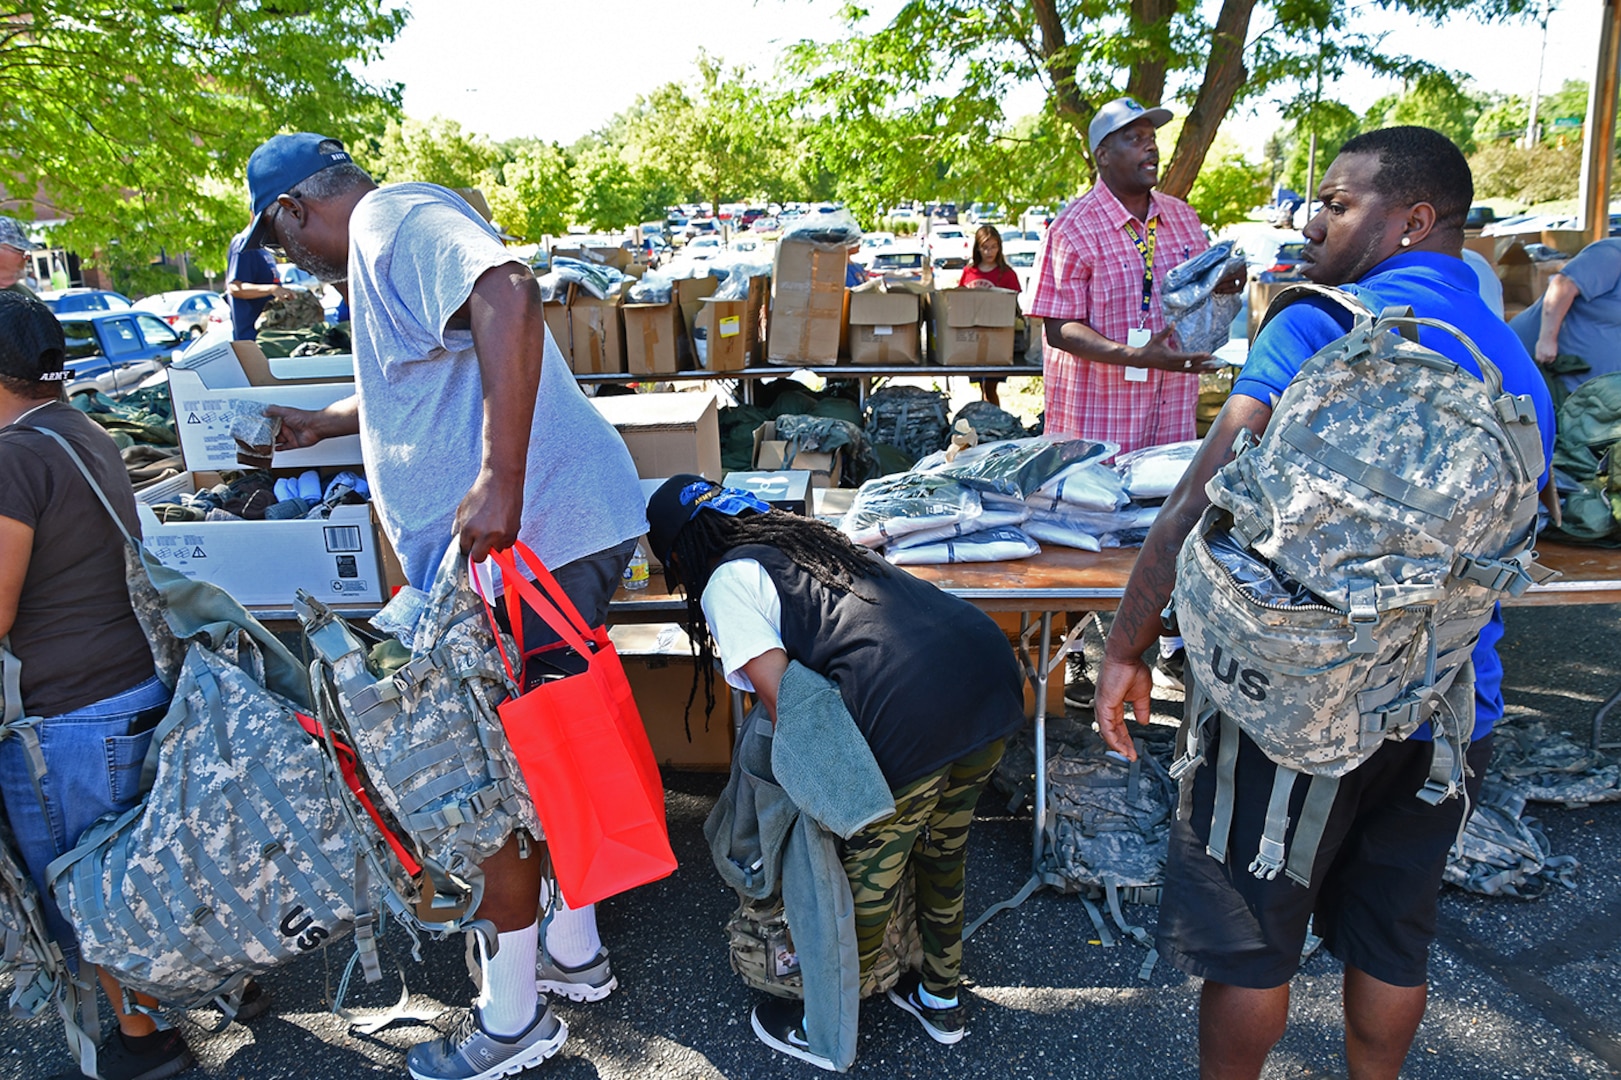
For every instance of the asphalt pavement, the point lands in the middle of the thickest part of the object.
(1519, 989)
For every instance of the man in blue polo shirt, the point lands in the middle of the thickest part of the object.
(1391, 232)
(250, 284)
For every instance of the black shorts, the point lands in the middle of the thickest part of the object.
(1374, 886)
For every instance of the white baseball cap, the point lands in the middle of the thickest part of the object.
(1117, 114)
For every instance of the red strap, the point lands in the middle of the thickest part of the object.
(554, 608)
(348, 766)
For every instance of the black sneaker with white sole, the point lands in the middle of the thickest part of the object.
(780, 1024)
(1078, 688)
(946, 1026)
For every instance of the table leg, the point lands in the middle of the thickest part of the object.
(1598, 722)
(1040, 686)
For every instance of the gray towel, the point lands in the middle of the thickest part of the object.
(822, 760)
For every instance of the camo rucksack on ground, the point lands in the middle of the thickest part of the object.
(427, 735)
(1504, 853)
(1332, 594)
(761, 946)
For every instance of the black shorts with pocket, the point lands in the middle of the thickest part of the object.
(1374, 886)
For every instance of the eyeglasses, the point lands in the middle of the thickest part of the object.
(270, 244)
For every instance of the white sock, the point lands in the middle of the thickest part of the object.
(508, 999)
(571, 936)
(935, 1002)
(1169, 645)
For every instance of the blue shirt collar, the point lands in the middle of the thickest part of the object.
(1457, 272)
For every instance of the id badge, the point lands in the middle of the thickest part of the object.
(1136, 338)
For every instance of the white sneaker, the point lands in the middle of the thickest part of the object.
(591, 981)
(471, 1053)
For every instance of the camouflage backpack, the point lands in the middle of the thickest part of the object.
(761, 946)
(427, 735)
(1504, 853)
(229, 866)
(1332, 594)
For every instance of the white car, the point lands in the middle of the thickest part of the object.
(950, 242)
(871, 244)
(189, 311)
(1021, 255)
(703, 247)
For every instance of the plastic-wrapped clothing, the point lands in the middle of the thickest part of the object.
(1013, 467)
(827, 435)
(988, 545)
(1096, 522)
(989, 422)
(909, 418)
(1123, 538)
(1059, 532)
(739, 272)
(1154, 471)
(600, 281)
(895, 506)
(989, 519)
(1085, 485)
(1202, 317)
(831, 228)
(653, 288)
(1255, 577)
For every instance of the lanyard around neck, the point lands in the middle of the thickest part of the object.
(1145, 248)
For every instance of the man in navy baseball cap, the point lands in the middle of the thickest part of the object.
(279, 165)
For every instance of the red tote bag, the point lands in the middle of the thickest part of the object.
(584, 753)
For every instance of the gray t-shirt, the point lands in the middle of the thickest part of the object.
(415, 253)
(1593, 323)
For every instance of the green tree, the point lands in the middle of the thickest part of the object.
(122, 113)
(1432, 100)
(434, 152)
(925, 90)
(1228, 188)
(534, 192)
(1335, 124)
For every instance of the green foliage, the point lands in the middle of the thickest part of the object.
(432, 152)
(121, 114)
(1540, 174)
(1433, 100)
(1335, 125)
(1228, 189)
(534, 193)
(1505, 117)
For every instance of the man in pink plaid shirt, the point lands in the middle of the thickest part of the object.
(1111, 368)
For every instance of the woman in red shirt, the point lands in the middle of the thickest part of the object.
(988, 268)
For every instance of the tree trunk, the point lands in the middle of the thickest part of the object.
(1054, 50)
(1224, 75)
(1150, 24)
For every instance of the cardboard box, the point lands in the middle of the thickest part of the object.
(689, 297)
(771, 455)
(667, 433)
(784, 489)
(653, 335)
(556, 313)
(1261, 295)
(734, 330)
(207, 387)
(972, 327)
(263, 563)
(660, 667)
(884, 328)
(597, 335)
(807, 303)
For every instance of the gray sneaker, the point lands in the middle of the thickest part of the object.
(471, 1053)
(591, 981)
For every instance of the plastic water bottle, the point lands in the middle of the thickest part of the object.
(635, 576)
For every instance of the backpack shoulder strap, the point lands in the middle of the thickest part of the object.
(1306, 290)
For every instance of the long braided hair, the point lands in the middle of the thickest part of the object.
(819, 549)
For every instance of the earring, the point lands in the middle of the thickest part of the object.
(1406, 240)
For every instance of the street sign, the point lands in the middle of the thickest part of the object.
(1567, 121)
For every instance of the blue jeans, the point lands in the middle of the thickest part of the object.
(92, 767)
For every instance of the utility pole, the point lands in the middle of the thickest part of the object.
(1536, 91)
(1311, 156)
(1599, 138)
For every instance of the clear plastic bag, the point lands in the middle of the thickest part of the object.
(904, 503)
(1255, 577)
(986, 545)
(1016, 468)
(1202, 317)
(1154, 471)
(400, 616)
(832, 228)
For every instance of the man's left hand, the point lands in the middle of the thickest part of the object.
(488, 518)
(1232, 284)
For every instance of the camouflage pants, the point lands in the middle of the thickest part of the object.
(927, 836)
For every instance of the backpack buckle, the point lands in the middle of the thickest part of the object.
(1363, 617)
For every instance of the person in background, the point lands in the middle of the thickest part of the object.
(63, 598)
(59, 274)
(1113, 371)
(1391, 233)
(929, 680)
(474, 434)
(250, 284)
(988, 269)
(1579, 316)
(14, 260)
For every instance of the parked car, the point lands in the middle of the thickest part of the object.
(703, 247)
(871, 244)
(897, 261)
(189, 311)
(1286, 263)
(1479, 216)
(115, 350)
(946, 212)
(950, 241)
(63, 301)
